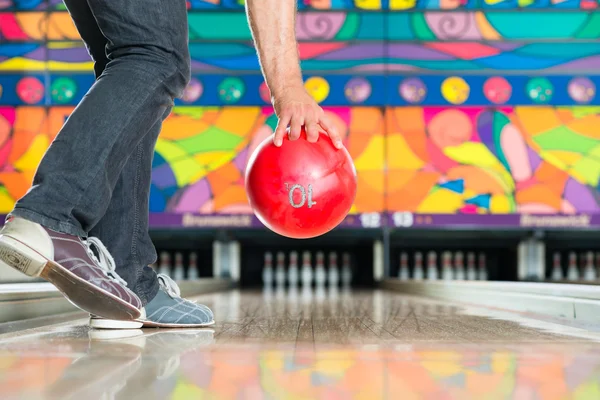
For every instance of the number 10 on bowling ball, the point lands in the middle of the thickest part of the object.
(300, 190)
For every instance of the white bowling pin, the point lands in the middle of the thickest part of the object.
(165, 264)
(178, 273)
(403, 272)
(280, 270)
(447, 272)
(557, 272)
(267, 273)
(459, 266)
(573, 270)
(320, 274)
(193, 267)
(346, 270)
(471, 270)
(432, 270)
(293, 273)
(482, 271)
(334, 271)
(589, 272)
(307, 273)
(418, 273)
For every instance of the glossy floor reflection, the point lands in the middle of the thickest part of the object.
(311, 345)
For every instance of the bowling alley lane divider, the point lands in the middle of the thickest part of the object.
(577, 303)
(37, 300)
(62, 89)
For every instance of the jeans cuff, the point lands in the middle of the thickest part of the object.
(146, 296)
(49, 223)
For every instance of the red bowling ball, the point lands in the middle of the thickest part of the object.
(301, 189)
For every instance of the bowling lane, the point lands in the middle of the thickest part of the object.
(310, 344)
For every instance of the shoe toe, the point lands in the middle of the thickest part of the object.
(204, 315)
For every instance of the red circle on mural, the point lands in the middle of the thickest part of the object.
(30, 90)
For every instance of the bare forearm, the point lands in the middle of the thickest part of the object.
(272, 23)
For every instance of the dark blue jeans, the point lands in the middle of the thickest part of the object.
(94, 180)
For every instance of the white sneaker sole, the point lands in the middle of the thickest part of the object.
(101, 323)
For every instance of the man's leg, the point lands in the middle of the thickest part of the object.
(131, 248)
(124, 226)
(148, 67)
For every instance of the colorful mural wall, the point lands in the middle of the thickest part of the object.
(481, 114)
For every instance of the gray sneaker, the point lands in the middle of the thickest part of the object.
(68, 262)
(166, 310)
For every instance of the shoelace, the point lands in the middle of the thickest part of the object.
(171, 287)
(105, 261)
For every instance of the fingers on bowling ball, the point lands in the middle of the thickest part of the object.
(331, 131)
(312, 132)
(282, 129)
(296, 128)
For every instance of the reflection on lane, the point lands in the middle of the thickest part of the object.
(355, 345)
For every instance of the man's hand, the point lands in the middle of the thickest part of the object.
(295, 107)
(272, 23)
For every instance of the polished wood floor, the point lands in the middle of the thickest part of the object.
(311, 345)
(369, 317)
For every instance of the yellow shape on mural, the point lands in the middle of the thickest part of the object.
(214, 159)
(169, 150)
(500, 204)
(402, 156)
(70, 66)
(34, 154)
(368, 4)
(7, 203)
(372, 156)
(550, 157)
(588, 171)
(468, 193)
(583, 111)
(472, 153)
(317, 87)
(402, 4)
(441, 201)
(187, 171)
(565, 157)
(22, 64)
(595, 152)
(185, 168)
